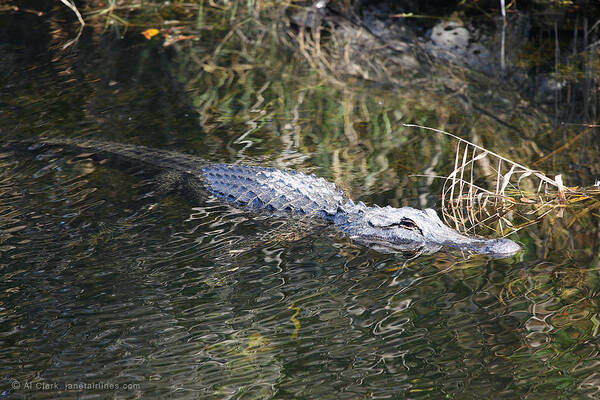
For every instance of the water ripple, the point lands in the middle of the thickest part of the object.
(101, 281)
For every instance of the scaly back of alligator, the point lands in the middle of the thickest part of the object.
(247, 186)
(273, 189)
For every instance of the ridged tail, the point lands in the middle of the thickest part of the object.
(163, 160)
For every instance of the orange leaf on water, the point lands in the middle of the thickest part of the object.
(148, 33)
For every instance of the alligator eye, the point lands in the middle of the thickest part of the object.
(405, 223)
(409, 224)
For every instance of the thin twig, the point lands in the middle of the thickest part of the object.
(71, 5)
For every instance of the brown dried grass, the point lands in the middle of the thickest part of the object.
(469, 207)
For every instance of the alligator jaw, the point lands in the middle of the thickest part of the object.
(496, 248)
(435, 232)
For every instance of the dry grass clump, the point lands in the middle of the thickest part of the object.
(520, 196)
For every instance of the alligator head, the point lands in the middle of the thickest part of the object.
(401, 229)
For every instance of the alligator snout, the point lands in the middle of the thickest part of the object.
(492, 247)
(500, 247)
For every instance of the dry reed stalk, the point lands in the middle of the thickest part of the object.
(72, 7)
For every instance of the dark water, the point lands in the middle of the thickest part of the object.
(108, 291)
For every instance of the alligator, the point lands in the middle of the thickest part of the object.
(284, 191)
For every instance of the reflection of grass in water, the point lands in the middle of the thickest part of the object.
(569, 284)
(246, 365)
(562, 303)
